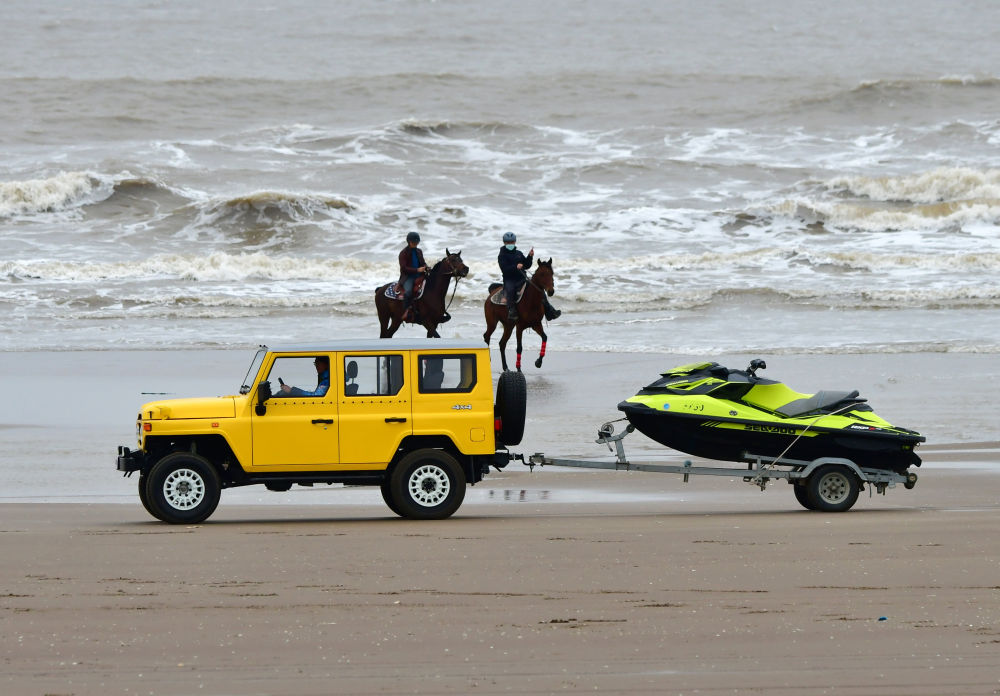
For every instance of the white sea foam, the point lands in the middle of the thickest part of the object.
(942, 185)
(57, 192)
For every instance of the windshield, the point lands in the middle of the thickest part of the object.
(254, 367)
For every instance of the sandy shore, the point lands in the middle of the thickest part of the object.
(545, 581)
(521, 594)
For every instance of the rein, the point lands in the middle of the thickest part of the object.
(451, 272)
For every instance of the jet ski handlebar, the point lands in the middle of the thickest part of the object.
(756, 364)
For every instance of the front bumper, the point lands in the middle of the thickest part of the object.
(129, 461)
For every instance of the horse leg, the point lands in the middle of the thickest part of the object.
(384, 316)
(507, 328)
(538, 329)
(491, 322)
(393, 327)
(520, 330)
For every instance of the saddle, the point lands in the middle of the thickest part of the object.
(394, 291)
(497, 296)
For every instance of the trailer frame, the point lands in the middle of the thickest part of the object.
(830, 484)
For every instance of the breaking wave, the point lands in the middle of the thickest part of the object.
(55, 193)
(948, 185)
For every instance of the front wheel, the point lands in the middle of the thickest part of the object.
(427, 484)
(183, 488)
(832, 488)
(144, 497)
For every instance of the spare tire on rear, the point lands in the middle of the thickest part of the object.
(511, 406)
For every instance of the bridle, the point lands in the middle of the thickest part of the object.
(452, 271)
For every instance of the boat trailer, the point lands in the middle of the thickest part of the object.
(829, 484)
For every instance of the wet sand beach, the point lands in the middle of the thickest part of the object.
(544, 581)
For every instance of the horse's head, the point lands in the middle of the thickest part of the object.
(543, 278)
(452, 264)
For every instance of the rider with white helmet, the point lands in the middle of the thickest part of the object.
(513, 264)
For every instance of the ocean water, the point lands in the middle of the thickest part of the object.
(707, 177)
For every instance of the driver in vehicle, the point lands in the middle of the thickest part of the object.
(322, 364)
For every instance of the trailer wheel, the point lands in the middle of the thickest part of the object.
(511, 406)
(832, 488)
(802, 495)
(183, 488)
(427, 484)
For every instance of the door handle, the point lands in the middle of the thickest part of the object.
(395, 420)
(328, 421)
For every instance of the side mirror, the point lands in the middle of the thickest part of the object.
(263, 394)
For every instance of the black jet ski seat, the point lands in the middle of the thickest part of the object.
(820, 401)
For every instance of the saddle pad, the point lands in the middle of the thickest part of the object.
(394, 291)
(498, 298)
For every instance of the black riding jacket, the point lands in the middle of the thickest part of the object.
(508, 261)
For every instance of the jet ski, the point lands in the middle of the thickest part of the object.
(707, 410)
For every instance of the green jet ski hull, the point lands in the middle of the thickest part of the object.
(707, 410)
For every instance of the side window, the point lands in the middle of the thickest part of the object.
(447, 373)
(303, 375)
(373, 375)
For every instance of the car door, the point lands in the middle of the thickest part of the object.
(299, 429)
(374, 407)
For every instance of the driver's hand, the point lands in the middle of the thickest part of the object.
(520, 266)
(532, 252)
(285, 388)
(422, 269)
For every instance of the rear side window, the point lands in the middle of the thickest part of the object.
(447, 374)
(373, 375)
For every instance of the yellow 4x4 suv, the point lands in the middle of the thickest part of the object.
(416, 418)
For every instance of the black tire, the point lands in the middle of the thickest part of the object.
(387, 497)
(511, 406)
(144, 498)
(183, 488)
(427, 484)
(802, 495)
(832, 488)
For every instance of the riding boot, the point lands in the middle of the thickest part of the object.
(407, 307)
(550, 311)
(512, 312)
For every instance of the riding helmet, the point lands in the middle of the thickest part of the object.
(509, 238)
(412, 237)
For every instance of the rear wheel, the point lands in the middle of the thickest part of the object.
(832, 488)
(427, 484)
(387, 497)
(183, 488)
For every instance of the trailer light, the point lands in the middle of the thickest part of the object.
(497, 424)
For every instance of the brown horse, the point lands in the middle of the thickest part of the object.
(430, 309)
(530, 312)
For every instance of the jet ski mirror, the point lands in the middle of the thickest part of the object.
(756, 364)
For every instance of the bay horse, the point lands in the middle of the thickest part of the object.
(530, 312)
(430, 309)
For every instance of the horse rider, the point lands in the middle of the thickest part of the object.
(513, 264)
(411, 267)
